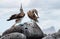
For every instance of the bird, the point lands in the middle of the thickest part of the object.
(33, 14)
(17, 16)
(21, 14)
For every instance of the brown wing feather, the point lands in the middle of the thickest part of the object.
(32, 16)
(21, 15)
(12, 17)
(35, 12)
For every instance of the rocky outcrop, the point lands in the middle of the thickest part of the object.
(57, 35)
(12, 30)
(48, 37)
(32, 30)
(29, 29)
(53, 36)
(14, 36)
(0, 36)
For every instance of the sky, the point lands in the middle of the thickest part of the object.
(48, 10)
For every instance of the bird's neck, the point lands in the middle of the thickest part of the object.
(21, 11)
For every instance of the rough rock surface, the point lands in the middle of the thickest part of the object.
(48, 37)
(57, 35)
(12, 30)
(0, 36)
(14, 36)
(53, 36)
(31, 30)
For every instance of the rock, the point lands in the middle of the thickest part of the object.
(45, 35)
(48, 37)
(0, 36)
(30, 29)
(56, 35)
(13, 29)
(14, 36)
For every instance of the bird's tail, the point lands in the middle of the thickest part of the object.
(9, 19)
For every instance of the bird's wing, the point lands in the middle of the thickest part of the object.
(35, 11)
(12, 17)
(20, 15)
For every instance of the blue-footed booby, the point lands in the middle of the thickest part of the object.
(33, 14)
(17, 16)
